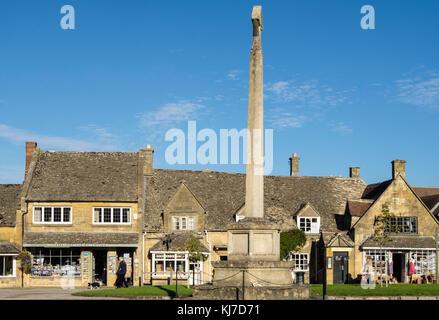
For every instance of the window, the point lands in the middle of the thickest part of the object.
(183, 223)
(300, 261)
(56, 215)
(110, 215)
(7, 266)
(309, 225)
(165, 263)
(55, 262)
(175, 223)
(191, 223)
(403, 225)
(424, 261)
(379, 260)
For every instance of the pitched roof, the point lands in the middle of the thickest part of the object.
(178, 241)
(426, 191)
(373, 191)
(358, 207)
(9, 203)
(338, 239)
(84, 176)
(223, 194)
(78, 239)
(8, 247)
(401, 242)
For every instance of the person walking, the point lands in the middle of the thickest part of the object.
(121, 273)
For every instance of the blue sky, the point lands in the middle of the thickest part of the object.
(337, 95)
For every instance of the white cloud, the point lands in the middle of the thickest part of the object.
(421, 89)
(171, 113)
(310, 93)
(341, 127)
(234, 74)
(283, 120)
(20, 135)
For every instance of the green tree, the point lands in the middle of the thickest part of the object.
(193, 246)
(292, 240)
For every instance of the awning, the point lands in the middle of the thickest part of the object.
(80, 239)
(401, 243)
(8, 247)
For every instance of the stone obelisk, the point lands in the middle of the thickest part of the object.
(253, 265)
(254, 192)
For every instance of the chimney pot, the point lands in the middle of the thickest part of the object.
(354, 172)
(294, 165)
(398, 168)
(30, 150)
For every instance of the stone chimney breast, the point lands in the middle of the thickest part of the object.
(398, 168)
(30, 150)
(354, 172)
(294, 165)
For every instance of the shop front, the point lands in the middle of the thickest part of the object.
(403, 259)
(76, 263)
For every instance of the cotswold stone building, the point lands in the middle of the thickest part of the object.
(77, 211)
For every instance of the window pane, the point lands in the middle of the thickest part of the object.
(116, 215)
(180, 266)
(183, 223)
(191, 223)
(2, 266)
(175, 223)
(56, 214)
(126, 215)
(159, 266)
(66, 217)
(47, 214)
(38, 214)
(97, 215)
(170, 266)
(107, 214)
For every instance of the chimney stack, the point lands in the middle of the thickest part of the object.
(148, 169)
(354, 172)
(30, 150)
(294, 165)
(398, 168)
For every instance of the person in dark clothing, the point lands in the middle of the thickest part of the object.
(121, 273)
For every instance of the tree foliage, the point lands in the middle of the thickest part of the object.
(383, 227)
(292, 240)
(193, 246)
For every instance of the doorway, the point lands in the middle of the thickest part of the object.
(195, 273)
(99, 266)
(340, 269)
(399, 266)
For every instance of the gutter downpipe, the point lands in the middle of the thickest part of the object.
(22, 244)
(210, 255)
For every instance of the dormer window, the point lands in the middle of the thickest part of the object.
(309, 224)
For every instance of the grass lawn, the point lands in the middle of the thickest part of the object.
(392, 290)
(138, 291)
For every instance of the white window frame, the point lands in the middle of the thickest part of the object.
(188, 226)
(52, 215)
(14, 265)
(300, 268)
(314, 226)
(112, 216)
(164, 273)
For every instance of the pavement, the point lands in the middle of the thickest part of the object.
(47, 294)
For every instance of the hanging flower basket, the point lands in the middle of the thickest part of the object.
(25, 259)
